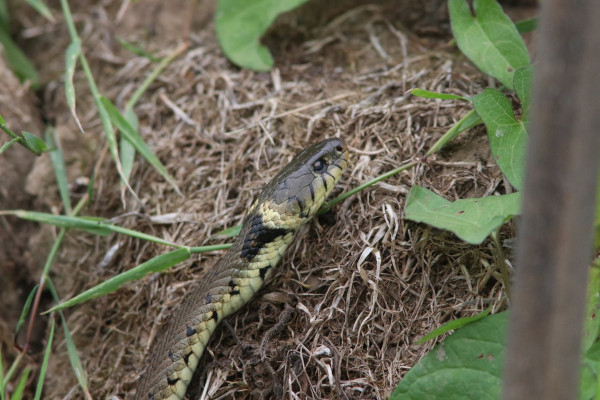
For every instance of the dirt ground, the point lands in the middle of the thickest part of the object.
(360, 291)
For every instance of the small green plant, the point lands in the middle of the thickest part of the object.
(468, 364)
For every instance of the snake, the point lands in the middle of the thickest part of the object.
(284, 205)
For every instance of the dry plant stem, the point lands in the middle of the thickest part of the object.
(555, 242)
(159, 68)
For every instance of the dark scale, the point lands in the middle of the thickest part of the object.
(171, 355)
(215, 316)
(189, 331)
(258, 236)
(186, 358)
(312, 191)
(263, 272)
(208, 299)
(171, 382)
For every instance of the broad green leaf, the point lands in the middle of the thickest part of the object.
(427, 94)
(488, 38)
(454, 325)
(523, 83)
(592, 321)
(60, 171)
(43, 369)
(588, 387)
(508, 137)
(467, 365)
(18, 61)
(136, 140)
(72, 54)
(156, 264)
(241, 23)
(7, 145)
(472, 220)
(35, 142)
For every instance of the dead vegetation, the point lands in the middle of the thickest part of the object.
(340, 316)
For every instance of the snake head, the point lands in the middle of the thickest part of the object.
(299, 190)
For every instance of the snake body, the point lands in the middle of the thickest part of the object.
(286, 203)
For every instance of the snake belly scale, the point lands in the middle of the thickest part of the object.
(286, 203)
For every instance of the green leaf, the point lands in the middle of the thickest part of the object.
(2, 383)
(230, 232)
(72, 54)
(241, 23)
(41, 8)
(18, 61)
(467, 122)
(25, 309)
(156, 264)
(467, 365)
(488, 38)
(60, 171)
(43, 369)
(472, 220)
(137, 50)
(35, 143)
(74, 359)
(588, 386)
(523, 83)
(591, 329)
(526, 25)
(7, 145)
(136, 140)
(126, 150)
(2, 122)
(20, 389)
(508, 137)
(454, 325)
(435, 95)
(94, 225)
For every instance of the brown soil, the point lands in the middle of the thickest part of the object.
(361, 290)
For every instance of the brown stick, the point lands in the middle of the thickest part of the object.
(554, 252)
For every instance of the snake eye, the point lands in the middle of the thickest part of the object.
(339, 148)
(319, 165)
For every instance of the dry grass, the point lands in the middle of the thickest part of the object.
(358, 293)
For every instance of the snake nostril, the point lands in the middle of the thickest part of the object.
(339, 148)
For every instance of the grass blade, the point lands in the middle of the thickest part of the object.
(71, 56)
(80, 373)
(25, 310)
(427, 94)
(156, 264)
(136, 140)
(18, 393)
(453, 325)
(40, 384)
(41, 8)
(2, 383)
(58, 162)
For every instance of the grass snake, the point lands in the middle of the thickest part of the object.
(285, 204)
